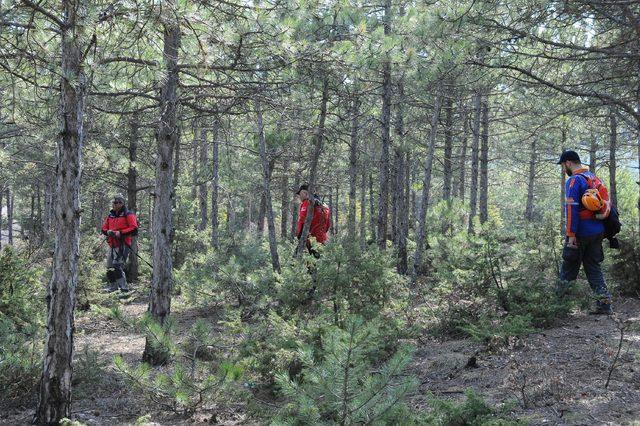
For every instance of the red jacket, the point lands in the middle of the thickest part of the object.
(320, 223)
(124, 221)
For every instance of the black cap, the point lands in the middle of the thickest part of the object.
(569, 156)
(304, 187)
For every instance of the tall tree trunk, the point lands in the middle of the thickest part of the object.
(266, 177)
(372, 211)
(315, 157)
(215, 183)
(613, 191)
(462, 161)
(593, 154)
(262, 213)
(195, 128)
(10, 200)
(448, 147)
(484, 163)
(426, 187)
(363, 209)
(294, 208)
(284, 200)
(167, 141)
(336, 210)
(353, 170)
(38, 210)
(202, 187)
(473, 202)
(48, 206)
(563, 140)
(132, 191)
(54, 402)
(401, 173)
(383, 200)
(176, 168)
(528, 213)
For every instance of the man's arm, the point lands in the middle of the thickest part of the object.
(302, 215)
(572, 189)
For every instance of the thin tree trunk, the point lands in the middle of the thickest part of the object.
(484, 163)
(194, 164)
(563, 139)
(528, 213)
(448, 147)
(363, 209)
(400, 237)
(426, 187)
(215, 164)
(54, 402)
(10, 200)
(266, 177)
(261, 213)
(48, 206)
(463, 155)
(38, 210)
(284, 200)
(372, 211)
(202, 188)
(383, 200)
(593, 154)
(473, 202)
(167, 141)
(336, 221)
(613, 191)
(132, 191)
(294, 209)
(353, 170)
(317, 150)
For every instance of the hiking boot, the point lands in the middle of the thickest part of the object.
(602, 309)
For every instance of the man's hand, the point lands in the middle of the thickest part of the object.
(571, 242)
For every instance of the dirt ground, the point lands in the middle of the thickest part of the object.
(556, 376)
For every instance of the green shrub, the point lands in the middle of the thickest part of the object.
(21, 325)
(339, 383)
(474, 411)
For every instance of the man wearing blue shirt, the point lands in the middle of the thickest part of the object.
(584, 233)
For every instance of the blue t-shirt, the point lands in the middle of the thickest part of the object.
(580, 221)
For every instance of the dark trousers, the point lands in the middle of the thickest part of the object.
(589, 253)
(116, 262)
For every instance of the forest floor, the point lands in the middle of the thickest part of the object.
(554, 376)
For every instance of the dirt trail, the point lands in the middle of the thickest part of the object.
(556, 376)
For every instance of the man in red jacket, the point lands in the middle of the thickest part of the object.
(119, 227)
(321, 221)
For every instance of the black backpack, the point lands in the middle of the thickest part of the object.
(612, 227)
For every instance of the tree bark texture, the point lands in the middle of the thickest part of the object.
(353, 170)
(462, 161)
(383, 200)
(400, 237)
(55, 384)
(593, 154)
(426, 187)
(363, 209)
(613, 146)
(448, 147)
(203, 160)
(475, 145)
(528, 213)
(484, 163)
(167, 141)
(132, 192)
(215, 183)
(266, 184)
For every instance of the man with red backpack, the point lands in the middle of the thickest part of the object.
(587, 206)
(321, 221)
(119, 227)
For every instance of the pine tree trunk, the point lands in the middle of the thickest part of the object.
(10, 200)
(336, 210)
(473, 202)
(132, 192)
(383, 200)
(353, 170)
(363, 209)
(400, 237)
(38, 211)
(613, 191)
(266, 177)
(563, 139)
(528, 213)
(284, 200)
(167, 141)
(48, 206)
(294, 209)
(372, 211)
(202, 187)
(315, 157)
(593, 154)
(484, 163)
(54, 401)
(426, 187)
(448, 148)
(261, 213)
(194, 164)
(215, 183)
(462, 161)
